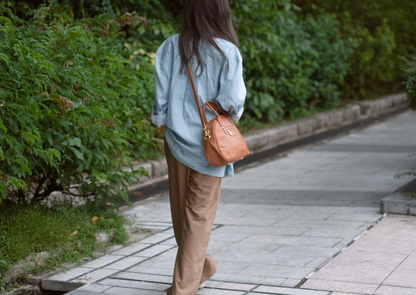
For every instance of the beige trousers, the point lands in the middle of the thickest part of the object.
(194, 201)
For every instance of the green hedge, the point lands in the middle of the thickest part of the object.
(356, 45)
(411, 82)
(69, 105)
(292, 65)
(383, 30)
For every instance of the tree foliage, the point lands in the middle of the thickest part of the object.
(69, 106)
(383, 31)
(291, 64)
(411, 82)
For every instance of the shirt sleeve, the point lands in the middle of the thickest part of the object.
(162, 86)
(232, 93)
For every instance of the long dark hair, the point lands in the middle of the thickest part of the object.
(205, 20)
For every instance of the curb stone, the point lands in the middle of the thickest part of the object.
(269, 137)
(401, 201)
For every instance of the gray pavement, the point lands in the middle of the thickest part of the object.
(279, 222)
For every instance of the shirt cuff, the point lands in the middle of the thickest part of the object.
(159, 120)
(235, 117)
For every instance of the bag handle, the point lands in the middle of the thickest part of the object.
(215, 108)
(196, 96)
(202, 117)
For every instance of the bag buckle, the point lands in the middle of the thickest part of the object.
(207, 135)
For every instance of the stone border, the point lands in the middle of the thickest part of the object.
(269, 137)
(401, 201)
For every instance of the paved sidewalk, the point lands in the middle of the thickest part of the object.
(280, 221)
(382, 262)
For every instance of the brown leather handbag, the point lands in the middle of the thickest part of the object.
(223, 143)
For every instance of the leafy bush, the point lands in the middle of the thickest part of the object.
(411, 82)
(291, 65)
(69, 106)
(296, 60)
(383, 31)
(282, 53)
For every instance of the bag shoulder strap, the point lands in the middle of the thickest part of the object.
(196, 96)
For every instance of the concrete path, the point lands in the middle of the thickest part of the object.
(382, 262)
(279, 222)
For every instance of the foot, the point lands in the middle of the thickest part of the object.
(202, 285)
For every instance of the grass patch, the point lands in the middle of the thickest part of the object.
(65, 231)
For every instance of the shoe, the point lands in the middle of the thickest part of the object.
(202, 285)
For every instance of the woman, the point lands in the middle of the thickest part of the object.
(208, 43)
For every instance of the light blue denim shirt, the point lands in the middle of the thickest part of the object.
(175, 107)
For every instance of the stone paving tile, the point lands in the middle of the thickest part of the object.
(170, 242)
(290, 283)
(285, 231)
(81, 292)
(384, 246)
(103, 260)
(402, 278)
(126, 262)
(369, 259)
(409, 263)
(159, 262)
(94, 287)
(265, 258)
(230, 267)
(276, 271)
(317, 261)
(332, 231)
(157, 238)
(307, 250)
(128, 291)
(236, 286)
(248, 279)
(243, 247)
(151, 270)
(352, 273)
(389, 290)
(152, 251)
(169, 253)
(288, 291)
(129, 250)
(135, 284)
(298, 241)
(143, 277)
(245, 221)
(339, 286)
(356, 217)
(291, 212)
(391, 233)
(212, 284)
(95, 275)
(206, 291)
(70, 274)
(228, 237)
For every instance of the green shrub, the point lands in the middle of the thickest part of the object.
(291, 65)
(383, 31)
(411, 82)
(69, 106)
